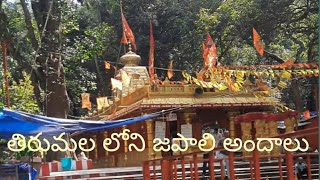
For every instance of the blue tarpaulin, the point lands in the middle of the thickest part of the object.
(15, 122)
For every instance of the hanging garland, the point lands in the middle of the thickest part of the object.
(235, 80)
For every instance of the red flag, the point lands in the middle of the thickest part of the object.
(209, 40)
(212, 56)
(209, 52)
(127, 33)
(170, 71)
(257, 43)
(151, 53)
(205, 52)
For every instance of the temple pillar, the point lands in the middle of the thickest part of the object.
(246, 128)
(273, 132)
(260, 132)
(150, 137)
(188, 117)
(289, 123)
(185, 121)
(232, 130)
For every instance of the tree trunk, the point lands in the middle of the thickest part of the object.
(50, 59)
(56, 101)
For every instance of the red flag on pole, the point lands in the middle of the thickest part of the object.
(209, 52)
(257, 43)
(151, 53)
(127, 32)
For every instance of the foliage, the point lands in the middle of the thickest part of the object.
(22, 96)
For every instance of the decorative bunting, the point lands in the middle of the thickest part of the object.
(199, 76)
(220, 78)
(125, 79)
(86, 104)
(116, 84)
(288, 64)
(107, 65)
(102, 102)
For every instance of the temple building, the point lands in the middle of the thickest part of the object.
(193, 111)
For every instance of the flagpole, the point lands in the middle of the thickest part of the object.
(121, 11)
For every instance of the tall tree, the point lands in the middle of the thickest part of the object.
(49, 76)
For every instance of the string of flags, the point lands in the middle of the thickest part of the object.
(102, 102)
(86, 104)
(223, 79)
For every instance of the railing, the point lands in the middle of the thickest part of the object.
(169, 165)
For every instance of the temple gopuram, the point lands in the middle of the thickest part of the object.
(223, 98)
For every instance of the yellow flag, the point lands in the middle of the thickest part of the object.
(286, 74)
(102, 102)
(116, 84)
(86, 104)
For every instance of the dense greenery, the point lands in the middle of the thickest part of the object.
(81, 35)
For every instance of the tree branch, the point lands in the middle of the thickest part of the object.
(28, 21)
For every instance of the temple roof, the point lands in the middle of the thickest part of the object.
(140, 93)
(170, 96)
